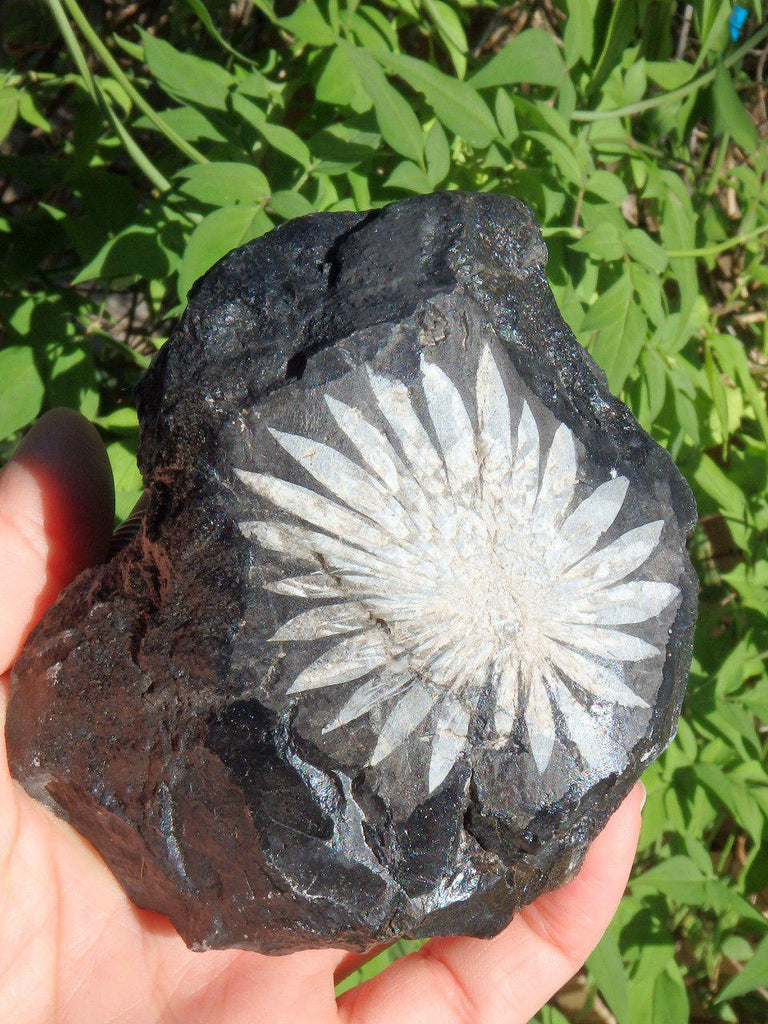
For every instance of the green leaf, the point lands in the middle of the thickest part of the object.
(128, 483)
(654, 381)
(609, 312)
(562, 155)
(717, 393)
(731, 349)
(257, 86)
(724, 495)
(339, 84)
(275, 135)
(71, 381)
(753, 975)
(408, 176)
(287, 204)
(207, 21)
(506, 117)
(186, 76)
(731, 117)
(456, 104)
(735, 798)
(341, 147)
(737, 947)
(398, 123)
(635, 82)
(9, 109)
(451, 31)
(307, 24)
(678, 233)
(29, 110)
(134, 51)
(215, 236)
(682, 881)
(370, 36)
(437, 154)
(621, 27)
(607, 968)
(685, 411)
(386, 29)
(669, 74)
(578, 37)
(603, 242)
(621, 332)
(136, 252)
(608, 186)
(670, 1001)
(532, 57)
(120, 421)
(188, 122)
(730, 675)
(642, 248)
(21, 389)
(649, 289)
(223, 184)
(115, 91)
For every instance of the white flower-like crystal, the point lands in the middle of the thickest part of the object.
(460, 568)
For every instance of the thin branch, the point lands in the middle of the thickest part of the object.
(120, 76)
(675, 94)
(714, 250)
(140, 158)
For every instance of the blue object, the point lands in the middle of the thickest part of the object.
(736, 22)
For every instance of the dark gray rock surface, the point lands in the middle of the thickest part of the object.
(409, 612)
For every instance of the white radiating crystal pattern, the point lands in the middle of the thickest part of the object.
(435, 569)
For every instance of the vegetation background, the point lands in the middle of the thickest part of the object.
(143, 140)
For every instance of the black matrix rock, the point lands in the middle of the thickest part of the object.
(408, 613)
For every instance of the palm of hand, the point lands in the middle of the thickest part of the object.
(75, 950)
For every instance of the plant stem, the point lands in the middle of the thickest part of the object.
(675, 94)
(673, 254)
(140, 158)
(136, 357)
(714, 250)
(73, 46)
(308, 171)
(120, 76)
(31, 76)
(568, 232)
(719, 161)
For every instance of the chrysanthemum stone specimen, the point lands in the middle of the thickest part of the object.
(409, 612)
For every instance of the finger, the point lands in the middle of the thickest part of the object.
(507, 979)
(56, 514)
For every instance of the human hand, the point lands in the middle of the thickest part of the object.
(75, 950)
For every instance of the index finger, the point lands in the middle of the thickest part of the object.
(56, 515)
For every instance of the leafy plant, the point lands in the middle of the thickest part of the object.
(136, 156)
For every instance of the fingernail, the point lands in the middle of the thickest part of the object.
(645, 795)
